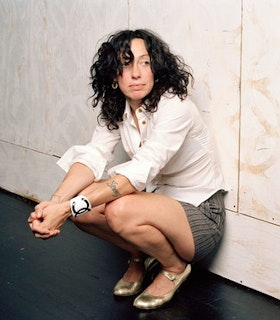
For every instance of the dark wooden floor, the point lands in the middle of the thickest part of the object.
(71, 278)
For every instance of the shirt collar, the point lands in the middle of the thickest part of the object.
(127, 111)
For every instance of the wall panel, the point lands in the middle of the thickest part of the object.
(28, 173)
(260, 118)
(249, 254)
(210, 42)
(47, 49)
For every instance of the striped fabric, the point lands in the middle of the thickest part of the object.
(207, 224)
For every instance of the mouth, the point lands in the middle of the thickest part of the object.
(138, 86)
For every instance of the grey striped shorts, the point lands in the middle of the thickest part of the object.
(207, 223)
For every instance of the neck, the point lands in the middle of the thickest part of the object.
(135, 104)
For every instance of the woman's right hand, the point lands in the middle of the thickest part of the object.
(47, 218)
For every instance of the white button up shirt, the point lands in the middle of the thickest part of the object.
(172, 153)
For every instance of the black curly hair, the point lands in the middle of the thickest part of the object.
(171, 74)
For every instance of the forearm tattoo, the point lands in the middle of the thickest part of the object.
(113, 187)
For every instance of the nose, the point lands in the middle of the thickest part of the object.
(135, 72)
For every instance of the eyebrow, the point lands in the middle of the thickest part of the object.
(140, 57)
(144, 55)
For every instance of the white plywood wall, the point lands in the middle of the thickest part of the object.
(260, 113)
(233, 47)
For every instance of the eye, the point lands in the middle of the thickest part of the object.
(126, 64)
(145, 62)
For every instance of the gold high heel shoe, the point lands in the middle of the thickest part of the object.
(125, 288)
(148, 301)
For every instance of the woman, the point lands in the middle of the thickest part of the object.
(166, 202)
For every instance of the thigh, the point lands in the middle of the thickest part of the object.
(159, 211)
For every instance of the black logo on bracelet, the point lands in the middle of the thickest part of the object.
(81, 206)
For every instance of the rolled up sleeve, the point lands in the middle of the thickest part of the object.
(137, 172)
(96, 155)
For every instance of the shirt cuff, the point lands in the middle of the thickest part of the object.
(137, 173)
(86, 156)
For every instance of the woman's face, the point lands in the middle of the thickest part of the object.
(137, 79)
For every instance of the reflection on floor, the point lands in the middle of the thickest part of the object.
(71, 277)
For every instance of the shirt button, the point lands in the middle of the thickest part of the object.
(144, 122)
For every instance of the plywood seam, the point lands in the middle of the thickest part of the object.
(252, 217)
(28, 148)
(240, 106)
(128, 14)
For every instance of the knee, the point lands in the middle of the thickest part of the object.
(116, 217)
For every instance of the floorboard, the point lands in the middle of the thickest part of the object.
(71, 277)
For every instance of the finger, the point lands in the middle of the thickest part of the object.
(39, 235)
(39, 213)
(42, 204)
(32, 217)
(54, 233)
(40, 231)
(47, 236)
(42, 236)
(39, 209)
(37, 227)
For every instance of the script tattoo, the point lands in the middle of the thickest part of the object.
(113, 186)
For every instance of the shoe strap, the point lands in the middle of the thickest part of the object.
(174, 277)
(168, 275)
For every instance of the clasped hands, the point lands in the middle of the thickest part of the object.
(47, 218)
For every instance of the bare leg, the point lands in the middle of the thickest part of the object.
(158, 226)
(94, 223)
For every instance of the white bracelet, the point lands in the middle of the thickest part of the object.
(79, 205)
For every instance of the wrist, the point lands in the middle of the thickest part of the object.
(79, 206)
(55, 199)
(66, 208)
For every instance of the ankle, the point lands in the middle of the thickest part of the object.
(136, 269)
(175, 269)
